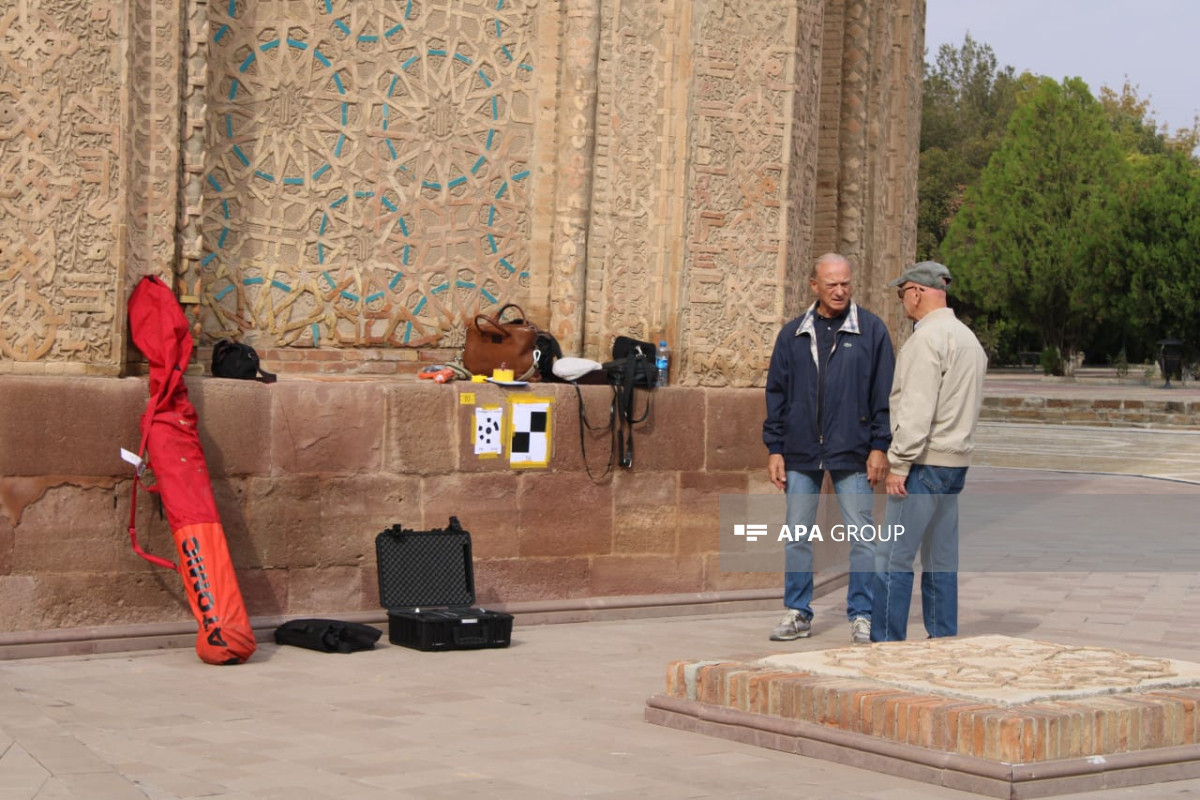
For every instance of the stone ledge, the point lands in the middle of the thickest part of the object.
(182, 634)
(1097, 412)
(954, 771)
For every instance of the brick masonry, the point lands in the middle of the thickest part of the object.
(1037, 732)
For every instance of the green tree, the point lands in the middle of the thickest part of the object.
(966, 104)
(1031, 240)
(1137, 130)
(1154, 271)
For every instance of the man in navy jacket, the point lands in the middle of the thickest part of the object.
(827, 411)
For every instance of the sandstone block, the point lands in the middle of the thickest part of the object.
(68, 425)
(327, 427)
(264, 591)
(324, 591)
(672, 437)
(422, 430)
(568, 454)
(646, 574)
(83, 600)
(70, 528)
(355, 509)
(508, 580)
(230, 495)
(18, 599)
(234, 423)
(564, 514)
(699, 506)
(733, 427)
(719, 580)
(7, 538)
(282, 522)
(486, 505)
(645, 512)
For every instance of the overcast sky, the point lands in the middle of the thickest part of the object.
(1156, 43)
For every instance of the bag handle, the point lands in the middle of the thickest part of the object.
(495, 320)
(610, 427)
(173, 379)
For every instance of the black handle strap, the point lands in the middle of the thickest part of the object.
(623, 400)
(611, 427)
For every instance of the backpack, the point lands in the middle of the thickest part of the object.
(236, 360)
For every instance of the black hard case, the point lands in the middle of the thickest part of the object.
(427, 585)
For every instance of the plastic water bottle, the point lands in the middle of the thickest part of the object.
(662, 360)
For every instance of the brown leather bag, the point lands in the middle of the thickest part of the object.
(492, 343)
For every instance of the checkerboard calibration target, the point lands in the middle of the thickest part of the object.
(530, 442)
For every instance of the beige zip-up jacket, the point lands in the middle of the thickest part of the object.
(936, 394)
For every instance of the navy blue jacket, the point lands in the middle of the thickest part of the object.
(854, 420)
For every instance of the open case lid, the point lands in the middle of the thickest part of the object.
(419, 569)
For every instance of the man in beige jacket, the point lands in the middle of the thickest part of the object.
(934, 406)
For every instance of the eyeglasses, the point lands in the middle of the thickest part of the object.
(901, 292)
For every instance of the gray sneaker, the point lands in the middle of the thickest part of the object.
(792, 626)
(860, 630)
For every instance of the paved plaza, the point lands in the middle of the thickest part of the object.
(559, 714)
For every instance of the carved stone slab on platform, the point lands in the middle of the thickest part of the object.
(996, 669)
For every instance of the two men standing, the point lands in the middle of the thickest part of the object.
(832, 406)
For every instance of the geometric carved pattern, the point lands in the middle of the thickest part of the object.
(737, 190)
(367, 172)
(60, 119)
(999, 663)
(631, 235)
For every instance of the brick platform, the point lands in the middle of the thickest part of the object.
(992, 715)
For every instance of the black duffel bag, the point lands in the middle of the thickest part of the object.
(327, 635)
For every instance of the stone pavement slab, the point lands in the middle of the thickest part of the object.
(558, 714)
(1171, 455)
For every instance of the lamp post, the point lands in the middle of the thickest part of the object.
(1170, 358)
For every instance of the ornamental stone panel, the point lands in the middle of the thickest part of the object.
(332, 180)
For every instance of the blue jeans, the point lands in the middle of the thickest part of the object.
(856, 500)
(929, 515)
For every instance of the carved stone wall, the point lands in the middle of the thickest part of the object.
(65, 107)
(872, 60)
(368, 168)
(754, 119)
(635, 252)
(338, 179)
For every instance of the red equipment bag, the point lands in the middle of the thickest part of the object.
(169, 434)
